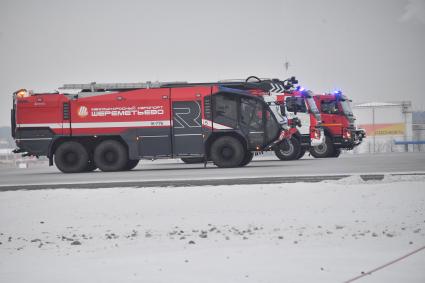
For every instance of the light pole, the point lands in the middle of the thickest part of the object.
(373, 127)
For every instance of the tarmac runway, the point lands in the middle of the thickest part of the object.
(263, 169)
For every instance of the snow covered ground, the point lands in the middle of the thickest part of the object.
(302, 232)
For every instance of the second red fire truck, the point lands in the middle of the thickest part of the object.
(339, 125)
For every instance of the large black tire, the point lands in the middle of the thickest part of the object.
(193, 160)
(131, 164)
(71, 157)
(288, 149)
(110, 155)
(324, 150)
(302, 153)
(227, 152)
(247, 158)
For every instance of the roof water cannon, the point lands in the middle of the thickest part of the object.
(289, 83)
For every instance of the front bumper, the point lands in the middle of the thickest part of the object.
(355, 138)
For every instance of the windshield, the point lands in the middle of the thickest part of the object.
(346, 107)
(313, 107)
(329, 106)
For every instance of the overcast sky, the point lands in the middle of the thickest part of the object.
(372, 50)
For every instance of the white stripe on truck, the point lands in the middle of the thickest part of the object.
(98, 125)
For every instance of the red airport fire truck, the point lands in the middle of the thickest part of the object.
(113, 126)
(339, 125)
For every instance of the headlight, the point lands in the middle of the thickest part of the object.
(315, 134)
(346, 133)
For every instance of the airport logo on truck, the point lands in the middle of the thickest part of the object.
(120, 111)
(83, 111)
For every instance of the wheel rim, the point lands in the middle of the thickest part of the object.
(286, 148)
(227, 152)
(110, 157)
(70, 158)
(321, 149)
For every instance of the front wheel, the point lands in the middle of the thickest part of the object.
(288, 149)
(110, 155)
(71, 157)
(326, 149)
(227, 152)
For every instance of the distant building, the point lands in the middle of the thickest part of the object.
(388, 122)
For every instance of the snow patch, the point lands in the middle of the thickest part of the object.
(388, 178)
(300, 232)
(351, 180)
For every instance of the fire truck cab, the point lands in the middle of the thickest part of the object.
(338, 122)
(299, 105)
(113, 126)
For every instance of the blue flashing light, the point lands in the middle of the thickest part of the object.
(337, 93)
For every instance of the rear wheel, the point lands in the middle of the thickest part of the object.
(247, 158)
(193, 160)
(110, 155)
(324, 150)
(227, 152)
(288, 149)
(71, 157)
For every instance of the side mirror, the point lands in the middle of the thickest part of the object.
(296, 122)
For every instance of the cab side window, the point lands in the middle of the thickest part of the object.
(296, 104)
(225, 110)
(301, 105)
(251, 114)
